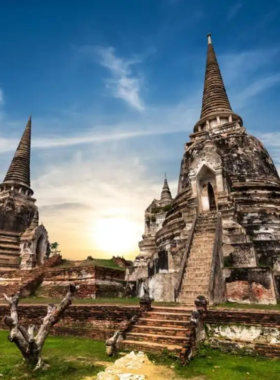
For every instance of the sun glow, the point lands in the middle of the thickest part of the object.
(115, 235)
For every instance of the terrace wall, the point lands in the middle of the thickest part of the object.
(92, 321)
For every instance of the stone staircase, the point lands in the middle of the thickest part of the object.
(9, 250)
(199, 263)
(160, 329)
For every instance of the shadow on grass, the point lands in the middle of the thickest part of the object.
(66, 358)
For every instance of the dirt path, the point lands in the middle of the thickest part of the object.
(136, 367)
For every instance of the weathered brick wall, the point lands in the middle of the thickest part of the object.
(93, 282)
(94, 321)
(244, 331)
(253, 317)
(26, 281)
(250, 285)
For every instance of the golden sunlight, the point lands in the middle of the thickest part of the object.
(115, 235)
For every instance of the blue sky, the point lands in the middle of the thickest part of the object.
(115, 88)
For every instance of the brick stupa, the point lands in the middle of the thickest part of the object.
(221, 238)
(23, 242)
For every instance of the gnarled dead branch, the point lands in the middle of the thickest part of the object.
(30, 345)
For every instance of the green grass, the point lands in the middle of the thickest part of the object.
(76, 358)
(215, 365)
(105, 263)
(69, 358)
(234, 305)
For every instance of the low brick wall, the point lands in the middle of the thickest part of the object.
(93, 282)
(92, 321)
(270, 318)
(244, 331)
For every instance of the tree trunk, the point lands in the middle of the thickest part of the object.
(29, 345)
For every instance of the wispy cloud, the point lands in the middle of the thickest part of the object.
(124, 84)
(259, 86)
(232, 12)
(1, 97)
(115, 169)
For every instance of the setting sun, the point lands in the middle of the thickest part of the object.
(115, 235)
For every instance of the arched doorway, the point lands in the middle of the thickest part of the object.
(211, 197)
(40, 250)
(206, 181)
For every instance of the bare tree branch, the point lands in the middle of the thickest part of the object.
(30, 346)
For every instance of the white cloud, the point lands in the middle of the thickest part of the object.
(123, 84)
(117, 168)
(258, 86)
(1, 97)
(233, 11)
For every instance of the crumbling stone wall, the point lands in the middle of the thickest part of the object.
(244, 331)
(92, 321)
(93, 281)
(16, 213)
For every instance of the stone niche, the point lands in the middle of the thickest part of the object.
(250, 285)
(206, 178)
(161, 286)
(33, 247)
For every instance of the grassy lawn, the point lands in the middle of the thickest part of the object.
(233, 305)
(76, 358)
(215, 365)
(69, 358)
(105, 263)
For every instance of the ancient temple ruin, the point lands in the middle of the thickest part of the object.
(154, 217)
(221, 237)
(23, 242)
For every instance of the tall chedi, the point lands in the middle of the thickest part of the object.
(23, 243)
(222, 234)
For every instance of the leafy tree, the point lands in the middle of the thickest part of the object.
(54, 249)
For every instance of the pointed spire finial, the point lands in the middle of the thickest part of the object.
(166, 197)
(215, 99)
(19, 170)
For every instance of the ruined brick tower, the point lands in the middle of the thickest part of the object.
(23, 243)
(222, 234)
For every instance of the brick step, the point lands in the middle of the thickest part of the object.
(164, 322)
(166, 316)
(199, 263)
(199, 244)
(207, 223)
(191, 295)
(203, 229)
(195, 285)
(202, 243)
(149, 346)
(199, 256)
(169, 339)
(190, 287)
(203, 236)
(196, 282)
(177, 310)
(202, 246)
(197, 279)
(199, 274)
(175, 331)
